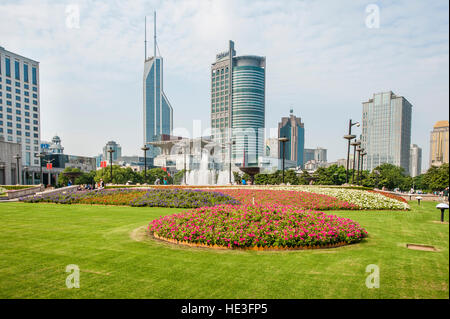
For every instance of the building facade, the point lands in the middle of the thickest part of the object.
(238, 105)
(386, 130)
(415, 160)
(115, 155)
(20, 105)
(292, 128)
(8, 163)
(315, 154)
(158, 113)
(439, 144)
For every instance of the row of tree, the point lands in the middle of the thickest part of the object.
(120, 175)
(385, 175)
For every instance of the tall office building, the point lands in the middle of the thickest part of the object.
(415, 160)
(315, 154)
(238, 105)
(439, 144)
(158, 113)
(20, 106)
(115, 155)
(292, 128)
(386, 130)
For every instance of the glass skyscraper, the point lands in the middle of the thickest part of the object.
(238, 104)
(292, 128)
(386, 130)
(158, 113)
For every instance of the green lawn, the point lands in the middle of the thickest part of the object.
(37, 241)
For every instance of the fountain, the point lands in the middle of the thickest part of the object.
(203, 175)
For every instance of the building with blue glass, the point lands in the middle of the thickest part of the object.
(292, 128)
(158, 113)
(238, 105)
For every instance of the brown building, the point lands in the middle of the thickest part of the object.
(439, 144)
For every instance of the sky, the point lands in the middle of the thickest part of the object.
(324, 58)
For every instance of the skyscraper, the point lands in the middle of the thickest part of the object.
(439, 144)
(292, 128)
(20, 107)
(386, 130)
(115, 155)
(19, 103)
(315, 154)
(238, 104)
(158, 113)
(415, 161)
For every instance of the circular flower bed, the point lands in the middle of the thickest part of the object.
(257, 226)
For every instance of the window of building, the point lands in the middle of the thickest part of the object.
(17, 70)
(25, 72)
(34, 76)
(7, 67)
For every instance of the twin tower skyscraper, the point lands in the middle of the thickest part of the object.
(158, 113)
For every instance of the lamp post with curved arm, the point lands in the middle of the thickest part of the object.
(111, 151)
(349, 137)
(145, 148)
(283, 140)
(354, 144)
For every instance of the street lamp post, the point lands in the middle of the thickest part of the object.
(41, 156)
(283, 140)
(359, 149)
(18, 157)
(349, 137)
(111, 151)
(230, 143)
(364, 153)
(354, 144)
(145, 148)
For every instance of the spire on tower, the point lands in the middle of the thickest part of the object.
(154, 34)
(145, 38)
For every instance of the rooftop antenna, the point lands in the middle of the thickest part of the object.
(145, 39)
(154, 33)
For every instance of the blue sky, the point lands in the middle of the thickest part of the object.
(322, 61)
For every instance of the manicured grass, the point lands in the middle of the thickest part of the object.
(37, 241)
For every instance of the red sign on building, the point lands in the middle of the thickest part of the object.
(49, 165)
(103, 164)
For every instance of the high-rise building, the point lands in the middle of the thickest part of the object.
(386, 130)
(20, 106)
(158, 113)
(439, 144)
(315, 154)
(415, 160)
(238, 105)
(115, 155)
(272, 146)
(292, 128)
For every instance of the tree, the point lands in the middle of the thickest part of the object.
(178, 178)
(388, 176)
(436, 178)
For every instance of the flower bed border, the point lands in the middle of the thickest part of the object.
(256, 248)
